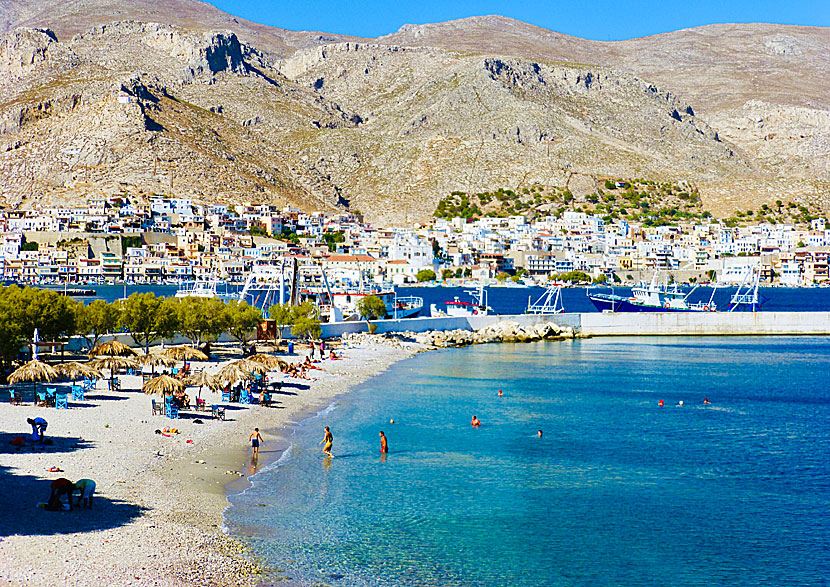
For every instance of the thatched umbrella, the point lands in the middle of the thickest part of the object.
(162, 385)
(113, 363)
(252, 366)
(185, 353)
(34, 371)
(112, 348)
(269, 361)
(233, 372)
(156, 359)
(202, 379)
(73, 370)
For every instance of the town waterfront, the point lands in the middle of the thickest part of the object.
(617, 491)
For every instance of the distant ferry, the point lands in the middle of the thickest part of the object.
(78, 292)
(650, 297)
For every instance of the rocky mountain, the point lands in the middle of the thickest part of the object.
(96, 100)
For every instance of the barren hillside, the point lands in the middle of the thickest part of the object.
(219, 108)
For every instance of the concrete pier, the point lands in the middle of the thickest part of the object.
(622, 324)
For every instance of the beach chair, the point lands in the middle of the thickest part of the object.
(15, 398)
(226, 396)
(78, 393)
(217, 412)
(245, 397)
(50, 395)
(61, 400)
(116, 384)
(40, 398)
(158, 408)
(200, 404)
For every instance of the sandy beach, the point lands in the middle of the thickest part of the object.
(157, 514)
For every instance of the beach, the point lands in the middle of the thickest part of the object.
(159, 501)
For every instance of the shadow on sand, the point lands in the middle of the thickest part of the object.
(22, 494)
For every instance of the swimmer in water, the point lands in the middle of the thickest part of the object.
(475, 422)
(501, 393)
(539, 433)
(660, 403)
(384, 446)
(680, 404)
(706, 400)
(328, 441)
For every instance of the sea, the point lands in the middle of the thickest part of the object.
(618, 490)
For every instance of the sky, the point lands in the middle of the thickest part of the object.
(601, 20)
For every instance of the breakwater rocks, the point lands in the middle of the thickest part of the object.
(500, 332)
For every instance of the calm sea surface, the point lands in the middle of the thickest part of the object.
(617, 492)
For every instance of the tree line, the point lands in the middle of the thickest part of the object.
(144, 316)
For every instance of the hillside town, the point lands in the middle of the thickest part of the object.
(174, 240)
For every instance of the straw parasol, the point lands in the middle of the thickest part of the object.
(73, 370)
(162, 385)
(34, 371)
(252, 366)
(185, 353)
(233, 372)
(112, 348)
(156, 359)
(202, 379)
(269, 361)
(113, 363)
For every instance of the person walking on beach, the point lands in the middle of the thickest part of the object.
(255, 439)
(384, 446)
(328, 441)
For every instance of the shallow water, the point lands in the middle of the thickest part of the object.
(617, 492)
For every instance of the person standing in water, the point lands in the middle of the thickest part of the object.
(255, 439)
(475, 422)
(328, 441)
(384, 446)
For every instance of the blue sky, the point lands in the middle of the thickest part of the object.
(602, 20)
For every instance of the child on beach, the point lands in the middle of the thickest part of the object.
(85, 489)
(255, 439)
(328, 439)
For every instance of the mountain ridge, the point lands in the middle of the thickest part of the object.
(241, 112)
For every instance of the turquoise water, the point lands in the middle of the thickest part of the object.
(618, 491)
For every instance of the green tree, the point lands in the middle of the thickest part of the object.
(425, 275)
(447, 274)
(283, 315)
(371, 308)
(306, 322)
(332, 238)
(242, 320)
(199, 319)
(147, 318)
(96, 319)
(601, 279)
(502, 277)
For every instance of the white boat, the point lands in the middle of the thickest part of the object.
(550, 302)
(478, 307)
(204, 288)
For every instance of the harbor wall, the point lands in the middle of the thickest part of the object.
(705, 323)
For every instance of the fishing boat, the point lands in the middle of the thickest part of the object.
(335, 296)
(550, 302)
(207, 287)
(477, 307)
(650, 297)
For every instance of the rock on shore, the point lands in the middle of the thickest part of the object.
(502, 332)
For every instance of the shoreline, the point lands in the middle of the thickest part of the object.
(158, 517)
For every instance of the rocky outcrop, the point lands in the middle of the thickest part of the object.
(508, 331)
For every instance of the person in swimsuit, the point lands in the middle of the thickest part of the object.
(475, 422)
(255, 439)
(328, 441)
(384, 446)
(539, 433)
